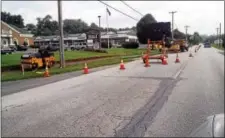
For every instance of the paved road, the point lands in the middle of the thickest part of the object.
(162, 100)
(10, 87)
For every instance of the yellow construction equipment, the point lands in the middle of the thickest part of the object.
(38, 60)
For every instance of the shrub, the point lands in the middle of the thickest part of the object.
(130, 45)
(105, 45)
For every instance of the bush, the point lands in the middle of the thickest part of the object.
(130, 45)
(105, 45)
(95, 50)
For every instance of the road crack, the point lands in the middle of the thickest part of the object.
(100, 131)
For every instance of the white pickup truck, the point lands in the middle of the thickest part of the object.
(79, 46)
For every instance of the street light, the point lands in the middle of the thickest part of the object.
(99, 18)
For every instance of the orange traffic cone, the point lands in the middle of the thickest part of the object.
(85, 68)
(122, 67)
(177, 59)
(164, 61)
(190, 55)
(46, 73)
(147, 62)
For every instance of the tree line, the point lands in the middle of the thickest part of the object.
(46, 26)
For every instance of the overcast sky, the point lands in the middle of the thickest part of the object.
(201, 16)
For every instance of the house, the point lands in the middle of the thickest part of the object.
(69, 39)
(89, 38)
(12, 35)
(119, 37)
(218, 41)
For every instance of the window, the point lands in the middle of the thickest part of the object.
(4, 42)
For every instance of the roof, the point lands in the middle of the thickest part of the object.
(105, 33)
(125, 32)
(119, 36)
(21, 30)
(56, 37)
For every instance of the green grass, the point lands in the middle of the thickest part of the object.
(218, 47)
(17, 75)
(10, 60)
(78, 54)
(14, 59)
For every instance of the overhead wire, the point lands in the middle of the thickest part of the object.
(118, 10)
(131, 7)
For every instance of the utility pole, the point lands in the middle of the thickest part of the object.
(186, 29)
(61, 42)
(220, 44)
(217, 35)
(99, 18)
(172, 12)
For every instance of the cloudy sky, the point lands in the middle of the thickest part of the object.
(201, 16)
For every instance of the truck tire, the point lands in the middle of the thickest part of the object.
(182, 49)
(34, 66)
(143, 60)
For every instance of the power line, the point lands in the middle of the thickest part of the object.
(118, 10)
(131, 7)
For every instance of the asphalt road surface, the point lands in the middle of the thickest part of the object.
(161, 100)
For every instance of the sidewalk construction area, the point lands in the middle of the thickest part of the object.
(110, 102)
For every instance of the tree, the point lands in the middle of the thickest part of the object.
(93, 25)
(178, 35)
(73, 26)
(46, 26)
(195, 38)
(134, 28)
(31, 27)
(16, 20)
(141, 27)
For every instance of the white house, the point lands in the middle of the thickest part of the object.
(218, 41)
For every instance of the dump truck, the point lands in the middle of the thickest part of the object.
(38, 60)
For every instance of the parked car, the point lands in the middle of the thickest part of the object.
(52, 48)
(80, 46)
(42, 47)
(6, 50)
(13, 47)
(55, 47)
(21, 48)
